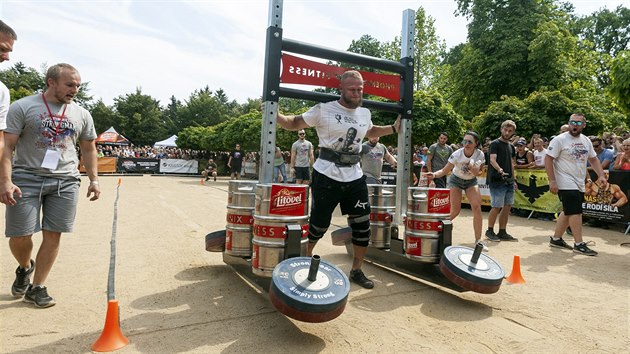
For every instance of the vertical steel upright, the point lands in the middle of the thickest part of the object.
(403, 175)
(271, 91)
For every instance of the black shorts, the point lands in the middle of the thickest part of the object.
(302, 173)
(328, 193)
(571, 201)
(235, 168)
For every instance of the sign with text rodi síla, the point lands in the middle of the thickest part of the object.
(296, 70)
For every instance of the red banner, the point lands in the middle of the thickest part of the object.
(297, 70)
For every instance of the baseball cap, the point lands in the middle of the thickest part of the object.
(521, 141)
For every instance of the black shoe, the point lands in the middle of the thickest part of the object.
(207, 179)
(215, 179)
(490, 235)
(357, 276)
(22, 280)
(582, 248)
(39, 296)
(559, 244)
(504, 236)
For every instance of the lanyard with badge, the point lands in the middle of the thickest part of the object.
(53, 155)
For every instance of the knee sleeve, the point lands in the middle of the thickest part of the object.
(360, 226)
(316, 232)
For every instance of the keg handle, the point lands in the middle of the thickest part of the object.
(245, 189)
(419, 195)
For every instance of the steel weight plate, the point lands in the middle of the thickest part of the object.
(485, 276)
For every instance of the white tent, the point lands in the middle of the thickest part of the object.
(170, 142)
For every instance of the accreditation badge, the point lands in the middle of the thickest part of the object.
(51, 159)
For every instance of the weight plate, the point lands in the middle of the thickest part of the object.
(309, 301)
(215, 241)
(485, 276)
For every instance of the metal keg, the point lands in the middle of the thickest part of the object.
(426, 209)
(382, 199)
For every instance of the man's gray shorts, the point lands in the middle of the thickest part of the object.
(55, 198)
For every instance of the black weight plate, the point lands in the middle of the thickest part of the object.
(215, 241)
(487, 272)
(297, 297)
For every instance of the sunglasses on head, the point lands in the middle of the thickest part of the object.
(576, 122)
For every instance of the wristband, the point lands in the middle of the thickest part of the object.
(93, 182)
(394, 129)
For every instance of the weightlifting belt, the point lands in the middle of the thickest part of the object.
(343, 159)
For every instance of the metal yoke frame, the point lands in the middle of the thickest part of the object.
(271, 94)
(272, 91)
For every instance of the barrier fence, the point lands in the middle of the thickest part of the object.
(532, 193)
(141, 165)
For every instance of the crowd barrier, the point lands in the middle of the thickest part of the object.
(532, 193)
(142, 165)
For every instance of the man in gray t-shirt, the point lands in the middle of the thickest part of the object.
(437, 158)
(39, 175)
(373, 154)
(302, 157)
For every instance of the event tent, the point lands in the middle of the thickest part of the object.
(170, 142)
(112, 137)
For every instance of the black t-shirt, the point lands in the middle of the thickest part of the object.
(237, 158)
(505, 152)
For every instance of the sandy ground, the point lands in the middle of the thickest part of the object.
(176, 297)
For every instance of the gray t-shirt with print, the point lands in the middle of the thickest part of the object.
(39, 132)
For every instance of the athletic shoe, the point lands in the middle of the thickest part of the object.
(582, 248)
(22, 280)
(559, 244)
(215, 179)
(207, 179)
(504, 236)
(490, 235)
(39, 296)
(357, 276)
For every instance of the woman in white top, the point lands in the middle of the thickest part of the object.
(465, 164)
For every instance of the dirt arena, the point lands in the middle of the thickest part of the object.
(175, 297)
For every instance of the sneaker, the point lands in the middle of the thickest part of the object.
(215, 179)
(559, 244)
(582, 248)
(22, 280)
(39, 296)
(504, 236)
(357, 276)
(207, 179)
(490, 235)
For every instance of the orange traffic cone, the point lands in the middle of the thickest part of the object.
(111, 338)
(516, 277)
(201, 182)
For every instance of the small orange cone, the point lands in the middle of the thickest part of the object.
(516, 277)
(111, 338)
(201, 182)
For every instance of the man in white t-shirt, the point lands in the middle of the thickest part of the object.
(539, 153)
(565, 164)
(7, 38)
(337, 177)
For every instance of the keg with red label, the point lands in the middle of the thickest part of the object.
(382, 199)
(240, 217)
(426, 208)
(277, 205)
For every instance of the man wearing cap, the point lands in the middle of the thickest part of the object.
(501, 182)
(302, 158)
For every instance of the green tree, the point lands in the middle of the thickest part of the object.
(22, 81)
(104, 116)
(620, 82)
(607, 33)
(141, 118)
(202, 109)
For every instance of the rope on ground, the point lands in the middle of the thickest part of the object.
(112, 257)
